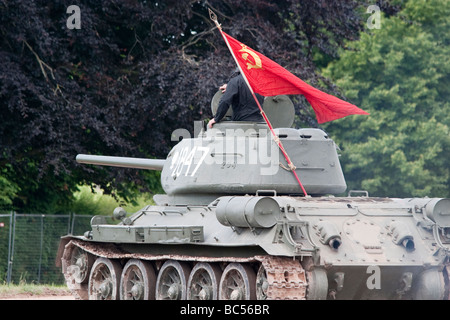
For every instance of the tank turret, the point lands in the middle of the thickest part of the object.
(238, 158)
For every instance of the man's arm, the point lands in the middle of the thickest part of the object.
(213, 121)
(231, 90)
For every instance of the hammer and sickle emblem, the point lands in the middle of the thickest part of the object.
(257, 60)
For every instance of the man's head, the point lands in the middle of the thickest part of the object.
(235, 72)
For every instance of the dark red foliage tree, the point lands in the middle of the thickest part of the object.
(134, 72)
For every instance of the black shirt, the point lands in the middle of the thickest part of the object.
(240, 98)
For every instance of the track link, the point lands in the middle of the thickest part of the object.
(286, 279)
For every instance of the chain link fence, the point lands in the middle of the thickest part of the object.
(29, 244)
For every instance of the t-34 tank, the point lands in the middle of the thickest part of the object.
(234, 224)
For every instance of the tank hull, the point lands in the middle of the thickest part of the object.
(282, 247)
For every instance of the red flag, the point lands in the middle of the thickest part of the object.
(268, 78)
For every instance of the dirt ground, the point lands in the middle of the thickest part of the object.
(36, 297)
(46, 294)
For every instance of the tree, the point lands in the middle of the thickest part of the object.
(400, 74)
(131, 74)
(8, 191)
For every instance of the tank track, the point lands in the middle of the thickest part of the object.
(285, 277)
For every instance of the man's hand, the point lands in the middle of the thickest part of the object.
(211, 123)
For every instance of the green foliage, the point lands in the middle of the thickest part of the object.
(8, 191)
(400, 74)
(95, 202)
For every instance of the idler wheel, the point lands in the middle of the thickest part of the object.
(80, 265)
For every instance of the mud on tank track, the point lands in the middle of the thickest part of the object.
(253, 278)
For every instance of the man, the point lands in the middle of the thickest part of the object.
(237, 94)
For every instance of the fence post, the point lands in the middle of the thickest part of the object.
(41, 248)
(71, 222)
(12, 231)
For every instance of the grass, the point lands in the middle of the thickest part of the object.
(14, 290)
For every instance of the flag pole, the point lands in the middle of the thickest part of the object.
(291, 166)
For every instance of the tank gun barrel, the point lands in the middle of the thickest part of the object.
(124, 162)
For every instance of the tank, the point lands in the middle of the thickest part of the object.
(233, 224)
